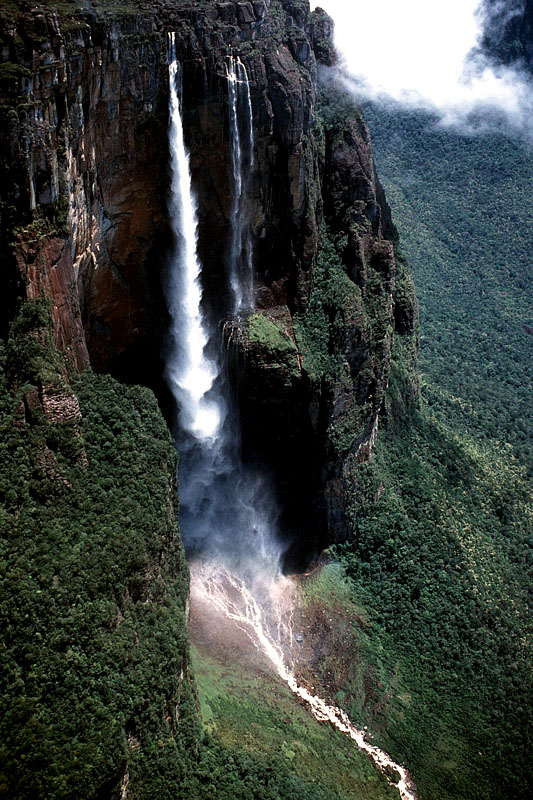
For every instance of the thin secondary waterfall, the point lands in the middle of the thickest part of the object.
(242, 157)
(227, 514)
(225, 509)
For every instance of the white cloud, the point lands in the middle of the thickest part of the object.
(414, 52)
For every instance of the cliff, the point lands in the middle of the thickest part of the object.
(85, 99)
(83, 103)
(508, 32)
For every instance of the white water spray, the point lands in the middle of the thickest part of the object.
(227, 511)
(269, 626)
(242, 158)
(190, 374)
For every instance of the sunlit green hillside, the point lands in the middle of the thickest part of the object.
(463, 206)
(441, 549)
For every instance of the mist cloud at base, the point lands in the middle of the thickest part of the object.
(422, 55)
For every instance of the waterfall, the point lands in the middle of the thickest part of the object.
(190, 374)
(227, 513)
(242, 159)
(225, 509)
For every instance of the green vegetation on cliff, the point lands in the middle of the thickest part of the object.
(442, 520)
(335, 301)
(95, 683)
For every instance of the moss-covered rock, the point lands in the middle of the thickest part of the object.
(271, 349)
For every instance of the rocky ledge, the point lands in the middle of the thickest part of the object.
(83, 100)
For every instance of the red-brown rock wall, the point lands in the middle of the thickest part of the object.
(85, 200)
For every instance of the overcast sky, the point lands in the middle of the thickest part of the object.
(414, 51)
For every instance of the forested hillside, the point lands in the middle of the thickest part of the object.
(441, 549)
(464, 211)
(404, 506)
(93, 581)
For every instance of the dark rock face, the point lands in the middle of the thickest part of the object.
(86, 98)
(508, 32)
(82, 135)
(284, 419)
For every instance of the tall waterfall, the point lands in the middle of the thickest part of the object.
(225, 509)
(242, 156)
(189, 372)
(227, 514)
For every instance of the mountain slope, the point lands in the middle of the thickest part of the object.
(441, 549)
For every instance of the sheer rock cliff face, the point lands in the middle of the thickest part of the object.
(507, 32)
(85, 106)
(87, 141)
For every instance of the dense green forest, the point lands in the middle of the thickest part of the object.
(93, 582)
(423, 608)
(95, 685)
(440, 556)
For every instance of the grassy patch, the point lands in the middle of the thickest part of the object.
(268, 334)
(254, 713)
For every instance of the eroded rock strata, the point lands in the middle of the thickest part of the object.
(84, 96)
(86, 104)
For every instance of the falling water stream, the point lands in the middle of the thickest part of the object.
(268, 623)
(189, 372)
(242, 158)
(227, 511)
